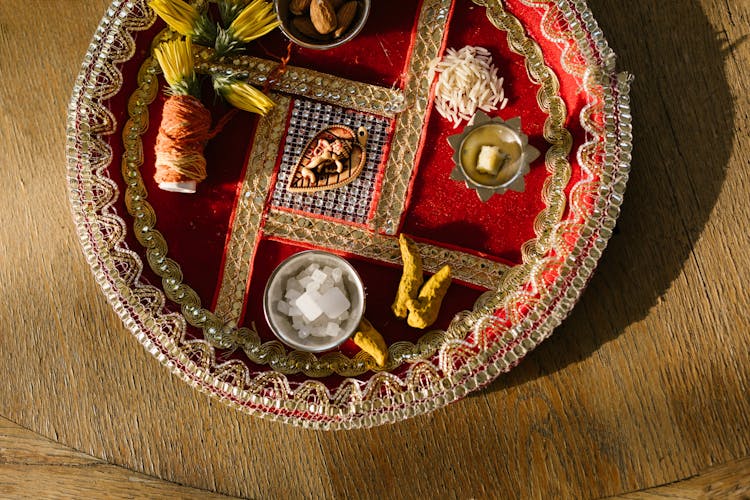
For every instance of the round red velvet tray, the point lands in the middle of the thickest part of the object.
(186, 272)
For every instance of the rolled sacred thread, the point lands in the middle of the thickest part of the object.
(185, 128)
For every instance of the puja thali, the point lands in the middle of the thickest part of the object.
(187, 271)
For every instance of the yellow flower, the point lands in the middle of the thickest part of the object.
(180, 16)
(176, 60)
(244, 96)
(254, 21)
(230, 9)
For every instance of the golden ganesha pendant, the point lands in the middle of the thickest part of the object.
(334, 157)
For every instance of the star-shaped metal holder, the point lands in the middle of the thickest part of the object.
(513, 149)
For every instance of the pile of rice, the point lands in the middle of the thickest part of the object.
(468, 81)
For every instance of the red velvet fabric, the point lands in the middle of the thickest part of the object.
(445, 211)
(439, 210)
(381, 282)
(377, 55)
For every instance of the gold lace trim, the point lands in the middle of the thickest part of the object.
(431, 28)
(305, 82)
(561, 141)
(553, 23)
(329, 234)
(245, 229)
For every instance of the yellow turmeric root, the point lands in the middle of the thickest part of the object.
(423, 311)
(369, 340)
(411, 279)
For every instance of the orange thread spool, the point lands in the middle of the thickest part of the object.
(184, 131)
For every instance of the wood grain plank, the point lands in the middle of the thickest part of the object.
(100, 481)
(730, 481)
(19, 446)
(34, 466)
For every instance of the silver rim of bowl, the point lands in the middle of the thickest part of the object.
(357, 281)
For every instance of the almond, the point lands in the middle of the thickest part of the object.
(299, 7)
(323, 16)
(345, 16)
(336, 3)
(306, 28)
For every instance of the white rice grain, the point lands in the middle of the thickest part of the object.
(467, 82)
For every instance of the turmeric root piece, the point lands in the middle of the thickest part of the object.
(411, 278)
(369, 340)
(423, 311)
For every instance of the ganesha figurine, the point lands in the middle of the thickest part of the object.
(334, 157)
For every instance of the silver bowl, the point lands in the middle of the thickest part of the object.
(280, 323)
(512, 174)
(285, 18)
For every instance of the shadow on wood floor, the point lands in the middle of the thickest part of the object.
(683, 132)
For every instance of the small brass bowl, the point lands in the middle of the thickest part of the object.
(285, 18)
(514, 144)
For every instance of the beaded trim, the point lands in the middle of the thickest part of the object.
(431, 28)
(248, 212)
(305, 82)
(352, 239)
(460, 367)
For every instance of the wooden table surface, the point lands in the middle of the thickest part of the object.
(645, 384)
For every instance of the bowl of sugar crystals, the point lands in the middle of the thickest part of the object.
(314, 301)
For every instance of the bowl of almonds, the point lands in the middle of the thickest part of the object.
(321, 24)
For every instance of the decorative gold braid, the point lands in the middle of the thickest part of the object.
(561, 141)
(346, 238)
(304, 82)
(591, 153)
(246, 226)
(431, 27)
(553, 27)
